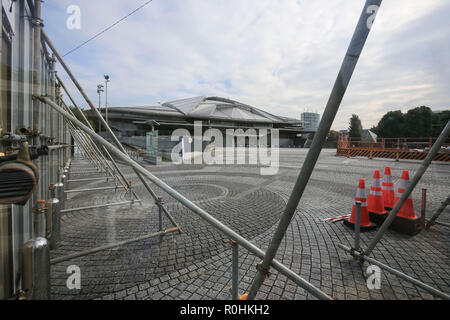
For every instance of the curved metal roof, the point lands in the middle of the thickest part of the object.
(209, 108)
(222, 109)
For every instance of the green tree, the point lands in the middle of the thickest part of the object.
(439, 122)
(355, 129)
(418, 122)
(392, 125)
(375, 130)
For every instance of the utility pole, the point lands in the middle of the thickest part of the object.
(106, 97)
(99, 91)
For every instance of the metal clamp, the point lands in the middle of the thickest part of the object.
(264, 271)
(357, 254)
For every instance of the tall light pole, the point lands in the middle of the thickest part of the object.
(106, 97)
(99, 91)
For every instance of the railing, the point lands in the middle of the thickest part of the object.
(392, 148)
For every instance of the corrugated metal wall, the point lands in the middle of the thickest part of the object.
(16, 222)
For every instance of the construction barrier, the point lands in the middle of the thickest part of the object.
(396, 148)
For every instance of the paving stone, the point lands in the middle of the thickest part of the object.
(197, 263)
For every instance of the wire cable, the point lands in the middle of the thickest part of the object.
(108, 28)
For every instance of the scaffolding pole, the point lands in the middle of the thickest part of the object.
(107, 127)
(90, 126)
(398, 273)
(436, 215)
(110, 246)
(348, 66)
(192, 206)
(120, 175)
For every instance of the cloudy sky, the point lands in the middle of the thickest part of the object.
(280, 56)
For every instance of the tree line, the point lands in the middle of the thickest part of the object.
(420, 122)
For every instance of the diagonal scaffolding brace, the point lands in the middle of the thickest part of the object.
(104, 123)
(348, 66)
(437, 214)
(192, 206)
(86, 121)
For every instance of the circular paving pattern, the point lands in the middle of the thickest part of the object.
(197, 263)
(113, 270)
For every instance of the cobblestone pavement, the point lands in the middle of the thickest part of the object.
(197, 263)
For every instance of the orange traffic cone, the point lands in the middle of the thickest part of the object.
(407, 210)
(375, 204)
(388, 189)
(406, 220)
(365, 223)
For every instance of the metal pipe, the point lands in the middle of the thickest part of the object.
(90, 189)
(348, 66)
(55, 207)
(110, 246)
(121, 175)
(438, 213)
(36, 269)
(396, 272)
(37, 28)
(86, 145)
(86, 172)
(357, 225)
(442, 224)
(83, 144)
(91, 179)
(235, 271)
(169, 216)
(99, 206)
(90, 149)
(66, 185)
(192, 206)
(85, 119)
(58, 147)
(405, 195)
(91, 105)
(159, 203)
(39, 218)
(423, 207)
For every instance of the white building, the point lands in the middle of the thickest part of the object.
(310, 121)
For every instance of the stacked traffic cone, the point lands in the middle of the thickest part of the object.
(375, 203)
(388, 189)
(365, 224)
(407, 210)
(406, 220)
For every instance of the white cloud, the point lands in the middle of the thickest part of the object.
(281, 56)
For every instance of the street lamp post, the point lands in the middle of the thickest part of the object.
(99, 91)
(106, 97)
